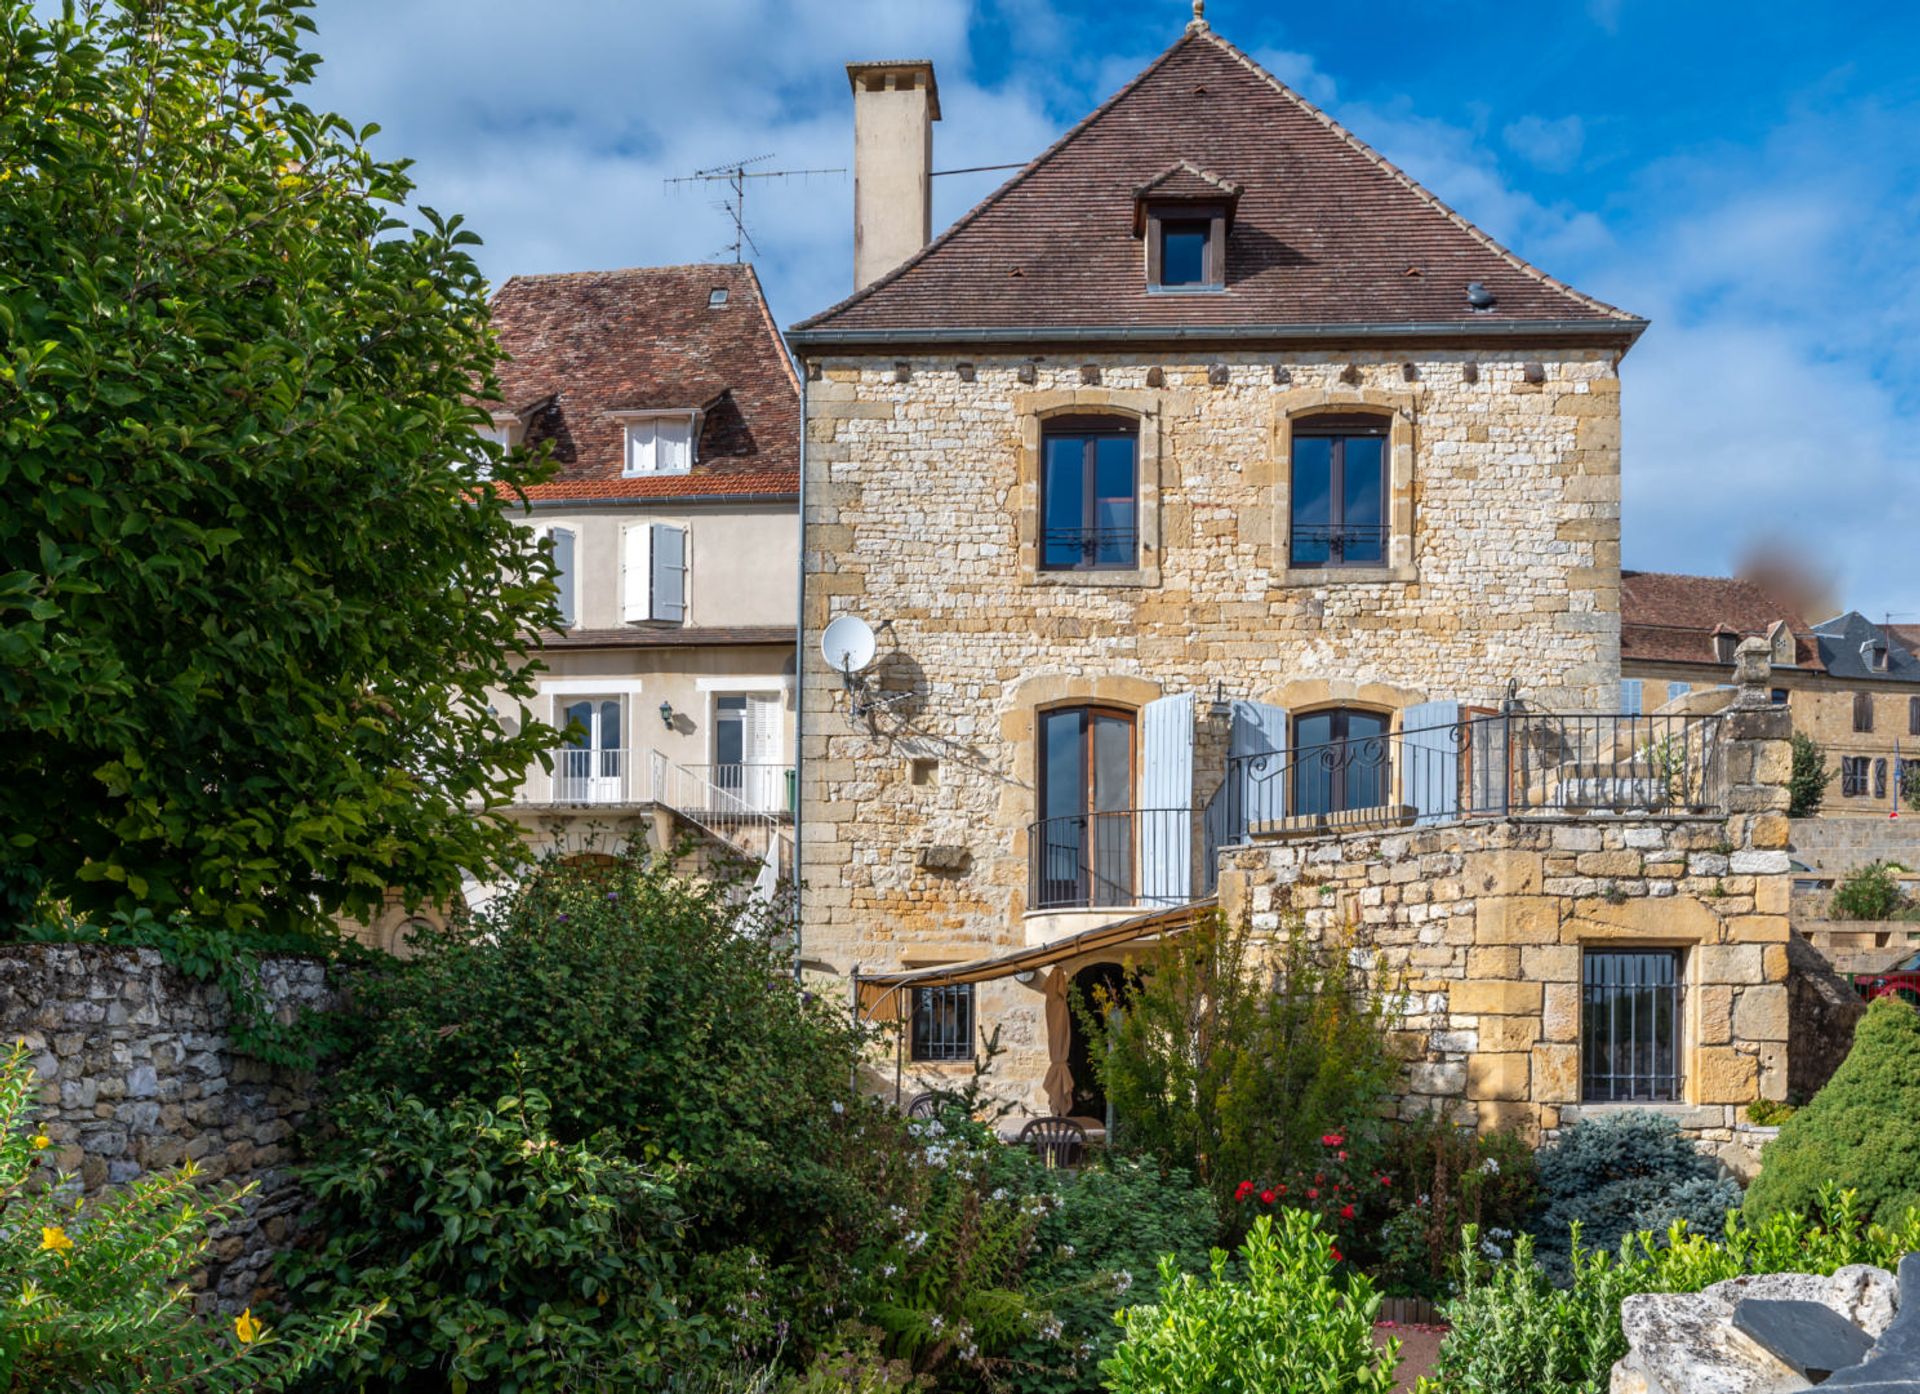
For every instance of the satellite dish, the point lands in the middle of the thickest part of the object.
(848, 645)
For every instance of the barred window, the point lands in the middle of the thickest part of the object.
(1854, 773)
(1630, 1026)
(943, 1022)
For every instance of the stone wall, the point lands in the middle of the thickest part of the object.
(1840, 844)
(1503, 563)
(1483, 925)
(137, 1076)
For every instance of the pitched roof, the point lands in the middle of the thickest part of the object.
(1845, 639)
(1668, 618)
(1327, 233)
(588, 345)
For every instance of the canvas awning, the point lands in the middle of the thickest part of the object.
(878, 996)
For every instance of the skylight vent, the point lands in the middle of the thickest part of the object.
(716, 297)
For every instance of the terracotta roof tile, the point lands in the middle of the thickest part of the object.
(1327, 232)
(586, 345)
(1668, 618)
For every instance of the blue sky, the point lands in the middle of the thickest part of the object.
(1747, 176)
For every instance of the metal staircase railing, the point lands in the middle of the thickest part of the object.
(744, 810)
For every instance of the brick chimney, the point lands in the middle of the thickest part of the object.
(894, 108)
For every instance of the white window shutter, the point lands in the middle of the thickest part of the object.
(565, 574)
(1257, 765)
(1430, 760)
(674, 444)
(669, 573)
(636, 573)
(1166, 800)
(640, 447)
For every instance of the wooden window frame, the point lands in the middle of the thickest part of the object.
(1337, 790)
(1862, 713)
(1215, 271)
(1341, 427)
(1087, 896)
(1093, 427)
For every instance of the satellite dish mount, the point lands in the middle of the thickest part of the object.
(849, 647)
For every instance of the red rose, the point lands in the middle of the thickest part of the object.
(1312, 1194)
(1346, 1212)
(1242, 1191)
(1266, 1197)
(1319, 1177)
(1337, 1255)
(1386, 1180)
(1341, 1155)
(1331, 1140)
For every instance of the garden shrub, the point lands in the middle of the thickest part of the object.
(1515, 1332)
(1617, 1175)
(1447, 1177)
(1868, 892)
(1808, 778)
(1234, 1064)
(510, 1260)
(1859, 1130)
(1286, 1325)
(1105, 1233)
(95, 1290)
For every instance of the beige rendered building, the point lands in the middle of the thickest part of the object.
(668, 399)
(1216, 497)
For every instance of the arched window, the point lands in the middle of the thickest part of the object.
(1339, 491)
(1084, 850)
(1863, 711)
(1341, 760)
(1089, 493)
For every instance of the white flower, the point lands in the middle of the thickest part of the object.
(1492, 1250)
(999, 1193)
(1066, 1251)
(839, 1107)
(934, 1322)
(915, 1240)
(887, 1270)
(1490, 1167)
(1122, 1281)
(1051, 1331)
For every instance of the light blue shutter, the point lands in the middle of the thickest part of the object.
(1430, 760)
(1257, 764)
(564, 575)
(1166, 800)
(669, 572)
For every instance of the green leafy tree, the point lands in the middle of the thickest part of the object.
(255, 597)
(1870, 892)
(1808, 778)
(95, 1295)
(1858, 1131)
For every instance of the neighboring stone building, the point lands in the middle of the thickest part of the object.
(669, 401)
(1852, 685)
(1211, 481)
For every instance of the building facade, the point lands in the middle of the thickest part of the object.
(1851, 684)
(667, 398)
(1203, 461)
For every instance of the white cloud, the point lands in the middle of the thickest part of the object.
(1552, 145)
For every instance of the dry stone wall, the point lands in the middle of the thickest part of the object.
(137, 1076)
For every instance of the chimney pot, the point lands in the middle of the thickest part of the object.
(894, 108)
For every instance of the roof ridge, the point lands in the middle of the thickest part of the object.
(622, 271)
(1026, 172)
(1407, 181)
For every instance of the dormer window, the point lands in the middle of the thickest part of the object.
(1184, 216)
(660, 442)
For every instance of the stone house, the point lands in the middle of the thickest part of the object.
(1851, 684)
(1209, 481)
(667, 397)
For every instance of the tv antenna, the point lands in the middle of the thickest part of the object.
(735, 176)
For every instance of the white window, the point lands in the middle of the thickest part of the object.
(653, 573)
(591, 766)
(1678, 689)
(1631, 696)
(566, 570)
(746, 750)
(660, 445)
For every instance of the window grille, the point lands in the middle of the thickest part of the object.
(1630, 1026)
(943, 1022)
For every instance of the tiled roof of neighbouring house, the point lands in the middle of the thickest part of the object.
(1326, 233)
(1667, 618)
(585, 345)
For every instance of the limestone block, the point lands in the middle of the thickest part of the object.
(1505, 871)
(1730, 963)
(1760, 864)
(1769, 830)
(1550, 963)
(1498, 1076)
(1714, 1005)
(1532, 919)
(1664, 918)
(1560, 1017)
(1757, 929)
(1725, 1076)
(1760, 1014)
(1489, 1114)
(1503, 1033)
(1556, 1073)
(1608, 863)
(1493, 961)
(1494, 997)
(1447, 1077)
